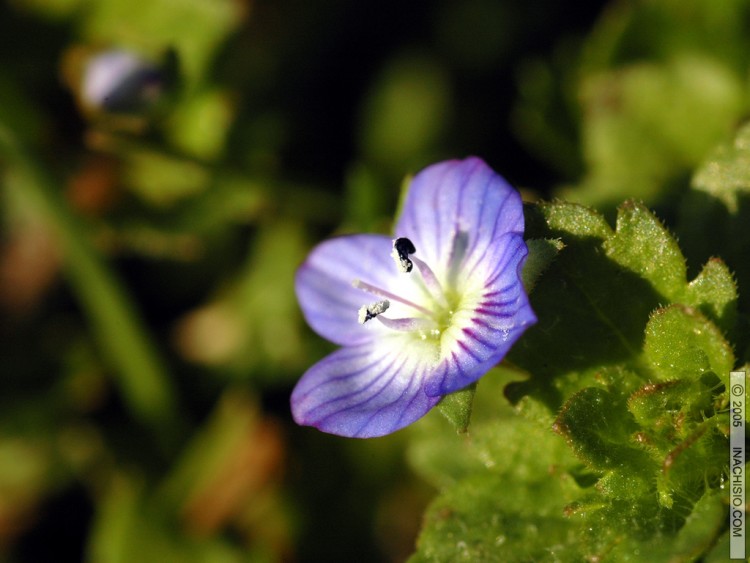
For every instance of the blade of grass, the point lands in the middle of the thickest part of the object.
(115, 323)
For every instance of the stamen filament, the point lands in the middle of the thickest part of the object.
(408, 324)
(391, 296)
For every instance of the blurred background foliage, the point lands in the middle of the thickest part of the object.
(150, 333)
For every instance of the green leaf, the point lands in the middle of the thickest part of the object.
(726, 173)
(457, 407)
(495, 442)
(645, 247)
(636, 538)
(596, 298)
(541, 255)
(713, 219)
(597, 426)
(647, 124)
(508, 500)
(571, 219)
(681, 342)
(404, 113)
(499, 519)
(685, 473)
(656, 404)
(699, 533)
(714, 293)
(585, 320)
(627, 354)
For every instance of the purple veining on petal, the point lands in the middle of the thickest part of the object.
(496, 323)
(440, 332)
(493, 261)
(467, 350)
(473, 335)
(362, 402)
(468, 369)
(329, 393)
(324, 288)
(369, 393)
(454, 196)
(383, 415)
(306, 388)
(513, 257)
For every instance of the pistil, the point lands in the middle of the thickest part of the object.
(410, 324)
(430, 281)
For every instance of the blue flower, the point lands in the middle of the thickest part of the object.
(420, 316)
(121, 82)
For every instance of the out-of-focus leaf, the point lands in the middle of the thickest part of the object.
(244, 327)
(16, 112)
(228, 473)
(641, 100)
(25, 477)
(404, 115)
(365, 200)
(637, 30)
(726, 173)
(116, 326)
(165, 23)
(53, 8)
(199, 126)
(162, 179)
(477, 33)
(647, 125)
(128, 528)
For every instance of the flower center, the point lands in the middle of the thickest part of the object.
(430, 316)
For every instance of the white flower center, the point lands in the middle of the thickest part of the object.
(431, 316)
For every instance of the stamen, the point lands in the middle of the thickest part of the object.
(408, 324)
(388, 295)
(402, 247)
(368, 312)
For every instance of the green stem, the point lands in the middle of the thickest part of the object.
(115, 324)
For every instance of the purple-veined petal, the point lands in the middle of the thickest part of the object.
(365, 391)
(324, 288)
(486, 327)
(446, 322)
(454, 209)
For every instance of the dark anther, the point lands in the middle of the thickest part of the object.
(403, 247)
